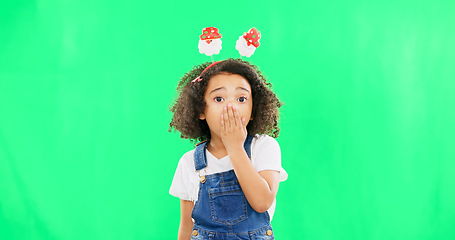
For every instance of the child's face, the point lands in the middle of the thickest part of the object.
(224, 89)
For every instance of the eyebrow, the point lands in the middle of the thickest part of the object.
(221, 88)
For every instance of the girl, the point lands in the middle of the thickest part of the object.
(227, 185)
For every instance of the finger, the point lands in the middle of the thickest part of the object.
(244, 125)
(222, 122)
(226, 118)
(236, 117)
(230, 116)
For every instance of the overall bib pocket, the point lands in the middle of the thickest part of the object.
(228, 205)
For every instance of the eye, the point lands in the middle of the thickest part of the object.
(218, 99)
(242, 99)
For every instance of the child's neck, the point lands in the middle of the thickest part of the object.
(216, 147)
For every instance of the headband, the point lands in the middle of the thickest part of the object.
(210, 44)
(199, 78)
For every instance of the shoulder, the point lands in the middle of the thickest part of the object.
(265, 149)
(264, 141)
(182, 184)
(187, 161)
(266, 155)
(189, 154)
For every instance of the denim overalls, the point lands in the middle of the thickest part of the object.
(222, 210)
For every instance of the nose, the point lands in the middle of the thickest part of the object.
(231, 103)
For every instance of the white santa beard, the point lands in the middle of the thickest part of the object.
(243, 48)
(211, 48)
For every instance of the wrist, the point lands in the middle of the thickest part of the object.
(233, 149)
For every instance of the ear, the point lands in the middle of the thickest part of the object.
(202, 116)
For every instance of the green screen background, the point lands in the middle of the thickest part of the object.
(367, 126)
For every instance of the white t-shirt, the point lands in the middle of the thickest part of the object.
(265, 155)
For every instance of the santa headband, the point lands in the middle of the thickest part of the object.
(210, 44)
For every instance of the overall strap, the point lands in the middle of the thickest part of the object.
(247, 145)
(200, 157)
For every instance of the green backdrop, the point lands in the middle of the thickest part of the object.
(367, 128)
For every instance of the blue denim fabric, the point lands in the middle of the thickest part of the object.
(260, 234)
(222, 210)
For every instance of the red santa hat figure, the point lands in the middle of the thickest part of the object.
(210, 41)
(248, 42)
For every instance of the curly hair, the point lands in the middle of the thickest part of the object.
(190, 102)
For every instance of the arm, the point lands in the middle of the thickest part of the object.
(186, 223)
(260, 188)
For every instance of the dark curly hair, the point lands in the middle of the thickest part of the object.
(190, 102)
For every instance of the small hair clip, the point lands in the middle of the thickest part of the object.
(198, 79)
